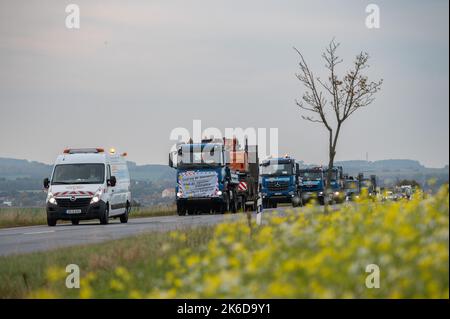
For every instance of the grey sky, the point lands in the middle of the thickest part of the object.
(137, 69)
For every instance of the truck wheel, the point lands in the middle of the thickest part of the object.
(181, 211)
(75, 221)
(124, 216)
(234, 203)
(51, 221)
(104, 216)
(225, 207)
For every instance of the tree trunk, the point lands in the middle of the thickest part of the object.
(332, 154)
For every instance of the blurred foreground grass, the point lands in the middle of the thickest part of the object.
(16, 217)
(297, 254)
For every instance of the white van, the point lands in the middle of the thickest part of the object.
(88, 184)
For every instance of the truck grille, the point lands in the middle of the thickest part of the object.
(78, 203)
(277, 186)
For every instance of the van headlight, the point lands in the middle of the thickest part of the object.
(219, 193)
(179, 194)
(51, 199)
(97, 197)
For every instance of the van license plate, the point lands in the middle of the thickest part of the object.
(73, 211)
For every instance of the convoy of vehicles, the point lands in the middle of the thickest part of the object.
(213, 176)
(88, 184)
(280, 182)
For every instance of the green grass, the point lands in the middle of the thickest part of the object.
(16, 217)
(21, 275)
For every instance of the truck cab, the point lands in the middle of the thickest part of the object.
(205, 182)
(336, 187)
(351, 189)
(368, 185)
(312, 181)
(279, 182)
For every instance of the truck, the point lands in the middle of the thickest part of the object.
(312, 181)
(280, 182)
(336, 187)
(214, 176)
(88, 183)
(351, 188)
(368, 185)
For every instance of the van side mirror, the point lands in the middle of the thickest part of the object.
(170, 160)
(46, 183)
(112, 181)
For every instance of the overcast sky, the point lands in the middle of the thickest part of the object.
(137, 69)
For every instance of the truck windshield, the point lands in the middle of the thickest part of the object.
(351, 185)
(78, 174)
(276, 169)
(206, 155)
(311, 175)
(366, 184)
(334, 174)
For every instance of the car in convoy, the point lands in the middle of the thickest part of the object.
(389, 196)
(88, 184)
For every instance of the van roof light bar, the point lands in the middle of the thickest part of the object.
(83, 150)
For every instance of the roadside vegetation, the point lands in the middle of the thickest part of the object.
(17, 217)
(297, 254)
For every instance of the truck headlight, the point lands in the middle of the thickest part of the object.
(51, 199)
(219, 193)
(179, 194)
(97, 197)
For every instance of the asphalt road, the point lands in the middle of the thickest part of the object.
(20, 240)
(40, 238)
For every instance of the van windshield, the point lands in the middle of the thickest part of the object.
(78, 174)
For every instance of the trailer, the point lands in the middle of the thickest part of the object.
(245, 162)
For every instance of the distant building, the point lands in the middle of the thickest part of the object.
(168, 192)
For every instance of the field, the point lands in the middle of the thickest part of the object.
(298, 254)
(16, 217)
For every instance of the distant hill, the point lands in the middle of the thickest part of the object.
(15, 168)
(21, 180)
(151, 172)
(383, 165)
(388, 171)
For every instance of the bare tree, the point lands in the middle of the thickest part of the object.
(341, 96)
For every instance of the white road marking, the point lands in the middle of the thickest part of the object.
(39, 232)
